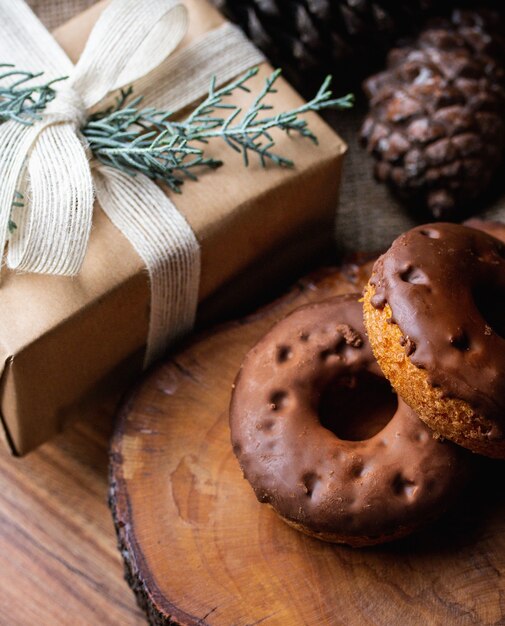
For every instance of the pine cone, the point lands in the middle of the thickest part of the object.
(436, 121)
(303, 36)
(348, 38)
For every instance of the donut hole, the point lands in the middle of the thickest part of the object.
(355, 408)
(430, 232)
(309, 482)
(414, 276)
(460, 341)
(402, 486)
(278, 400)
(490, 302)
(284, 353)
(357, 469)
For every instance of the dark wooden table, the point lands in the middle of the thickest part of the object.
(59, 564)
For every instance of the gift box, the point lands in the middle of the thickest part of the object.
(66, 340)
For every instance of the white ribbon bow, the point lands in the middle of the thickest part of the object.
(48, 161)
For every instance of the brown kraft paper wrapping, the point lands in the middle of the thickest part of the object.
(61, 336)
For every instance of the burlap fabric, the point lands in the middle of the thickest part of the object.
(55, 12)
(368, 217)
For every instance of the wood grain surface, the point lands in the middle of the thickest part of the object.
(201, 550)
(59, 564)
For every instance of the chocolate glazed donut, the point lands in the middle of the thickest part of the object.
(435, 315)
(293, 386)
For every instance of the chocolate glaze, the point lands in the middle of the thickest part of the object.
(445, 284)
(394, 480)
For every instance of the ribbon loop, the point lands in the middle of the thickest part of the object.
(127, 42)
(53, 227)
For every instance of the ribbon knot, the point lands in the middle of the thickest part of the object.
(68, 106)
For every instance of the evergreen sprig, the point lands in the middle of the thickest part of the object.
(20, 100)
(148, 140)
(138, 140)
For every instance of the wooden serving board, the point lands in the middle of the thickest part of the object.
(199, 549)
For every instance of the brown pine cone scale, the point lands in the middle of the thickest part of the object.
(436, 123)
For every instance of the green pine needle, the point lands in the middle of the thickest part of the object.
(147, 140)
(21, 101)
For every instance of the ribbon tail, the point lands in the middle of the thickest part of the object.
(54, 226)
(167, 245)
